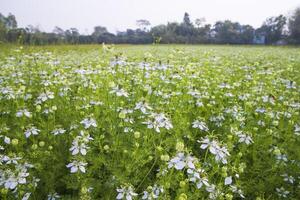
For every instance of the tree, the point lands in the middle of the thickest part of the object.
(200, 21)
(59, 33)
(98, 33)
(11, 22)
(6, 24)
(3, 29)
(186, 19)
(99, 30)
(143, 24)
(273, 28)
(294, 27)
(228, 32)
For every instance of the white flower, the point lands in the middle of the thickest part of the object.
(119, 92)
(221, 153)
(26, 196)
(142, 106)
(194, 176)
(201, 125)
(154, 193)
(85, 137)
(9, 160)
(78, 147)
(297, 129)
(23, 112)
(158, 121)
(282, 192)
(228, 180)
(44, 97)
(58, 131)
(6, 140)
(10, 179)
(243, 138)
(234, 189)
(89, 122)
(75, 165)
(288, 178)
(79, 144)
(260, 110)
(211, 188)
(126, 192)
(31, 131)
(181, 161)
(53, 196)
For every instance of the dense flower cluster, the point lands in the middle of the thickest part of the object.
(149, 123)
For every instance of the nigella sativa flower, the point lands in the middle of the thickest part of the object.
(126, 192)
(158, 121)
(221, 153)
(31, 131)
(200, 125)
(77, 165)
(89, 122)
(181, 161)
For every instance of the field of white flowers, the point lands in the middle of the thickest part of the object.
(149, 122)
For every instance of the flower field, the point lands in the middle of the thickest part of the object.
(149, 122)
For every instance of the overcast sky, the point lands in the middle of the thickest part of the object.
(117, 15)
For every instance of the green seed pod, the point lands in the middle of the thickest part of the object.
(165, 157)
(182, 184)
(137, 135)
(229, 196)
(34, 146)
(106, 147)
(179, 146)
(41, 143)
(182, 196)
(122, 115)
(14, 142)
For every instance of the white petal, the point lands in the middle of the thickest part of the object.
(120, 196)
(74, 169)
(82, 169)
(180, 165)
(228, 180)
(83, 151)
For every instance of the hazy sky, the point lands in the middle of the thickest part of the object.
(121, 14)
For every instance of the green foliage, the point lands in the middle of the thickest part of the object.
(294, 27)
(172, 122)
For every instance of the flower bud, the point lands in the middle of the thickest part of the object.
(106, 147)
(182, 196)
(182, 184)
(137, 135)
(229, 196)
(38, 108)
(14, 142)
(179, 146)
(122, 115)
(165, 157)
(41, 143)
(34, 146)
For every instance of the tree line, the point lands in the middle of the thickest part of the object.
(274, 30)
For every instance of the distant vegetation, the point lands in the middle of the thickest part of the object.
(274, 30)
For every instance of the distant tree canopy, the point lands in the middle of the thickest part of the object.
(294, 27)
(274, 30)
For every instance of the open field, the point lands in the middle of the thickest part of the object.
(149, 122)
